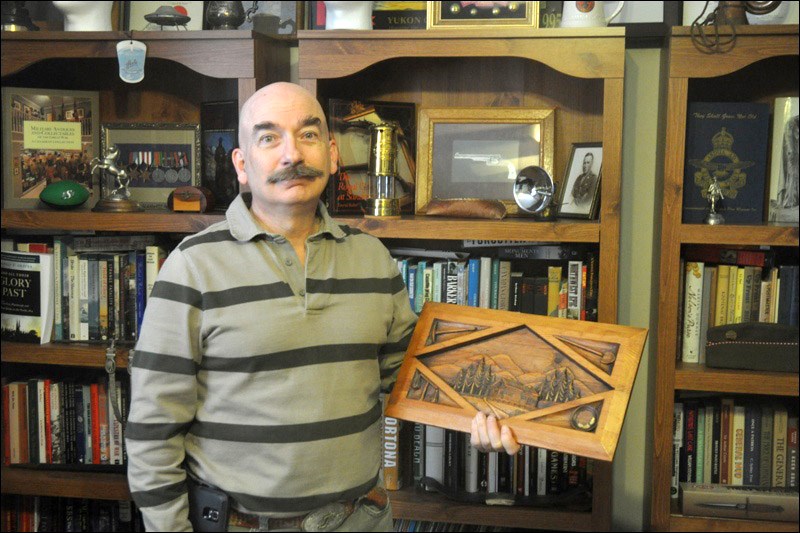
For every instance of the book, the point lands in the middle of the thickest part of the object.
(28, 302)
(701, 446)
(752, 444)
(398, 15)
(707, 311)
(677, 445)
(726, 141)
(737, 445)
(553, 288)
(721, 304)
(765, 455)
(708, 442)
(154, 258)
(725, 446)
(434, 453)
(693, 304)
(689, 450)
(392, 456)
(779, 431)
(791, 451)
(751, 503)
(788, 295)
(574, 295)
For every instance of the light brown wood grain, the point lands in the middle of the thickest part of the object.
(509, 329)
(768, 54)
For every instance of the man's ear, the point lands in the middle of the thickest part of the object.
(239, 165)
(334, 155)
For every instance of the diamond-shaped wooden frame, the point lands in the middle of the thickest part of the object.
(607, 353)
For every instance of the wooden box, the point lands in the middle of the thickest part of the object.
(558, 384)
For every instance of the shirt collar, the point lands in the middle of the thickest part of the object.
(244, 226)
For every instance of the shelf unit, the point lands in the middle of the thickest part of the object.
(183, 69)
(577, 72)
(768, 54)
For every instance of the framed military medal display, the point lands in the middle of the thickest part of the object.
(157, 157)
(558, 384)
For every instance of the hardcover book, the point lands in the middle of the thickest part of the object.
(28, 303)
(726, 142)
(559, 384)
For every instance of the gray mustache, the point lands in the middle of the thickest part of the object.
(295, 172)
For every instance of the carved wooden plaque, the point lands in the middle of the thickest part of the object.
(559, 384)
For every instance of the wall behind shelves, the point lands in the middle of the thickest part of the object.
(639, 260)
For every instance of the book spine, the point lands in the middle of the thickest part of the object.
(94, 403)
(392, 458)
(473, 295)
(140, 291)
(56, 424)
(437, 287)
(504, 285)
(752, 444)
(765, 456)
(715, 444)
(733, 281)
(74, 298)
(434, 453)
(83, 291)
(33, 421)
(747, 299)
(59, 255)
(677, 447)
(471, 467)
(574, 296)
(708, 443)
(102, 297)
(553, 288)
(485, 283)
(738, 308)
(700, 448)
(541, 472)
(689, 456)
(779, 431)
(693, 304)
(737, 467)
(791, 452)
(494, 284)
(706, 311)
(451, 282)
(726, 423)
(94, 298)
(723, 283)
(418, 452)
(103, 423)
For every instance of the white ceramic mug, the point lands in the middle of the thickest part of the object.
(586, 15)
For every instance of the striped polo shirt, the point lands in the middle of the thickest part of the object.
(262, 375)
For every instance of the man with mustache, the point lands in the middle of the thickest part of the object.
(266, 341)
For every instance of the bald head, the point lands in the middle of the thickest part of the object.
(278, 96)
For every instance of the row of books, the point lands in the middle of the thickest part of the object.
(447, 457)
(47, 513)
(63, 422)
(721, 294)
(551, 287)
(91, 288)
(734, 442)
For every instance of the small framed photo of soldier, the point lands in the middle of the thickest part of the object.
(580, 189)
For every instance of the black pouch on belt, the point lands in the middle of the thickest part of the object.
(753, 346)
(208, 507)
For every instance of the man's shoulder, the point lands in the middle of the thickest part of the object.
(216, 233)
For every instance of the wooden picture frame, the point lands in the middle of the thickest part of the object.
(158, 158)
(40, 146)
(349, 122)
(558, 384)
(580, 188)
(477, 152)
(783, 177)
(136, 11)
(456, 15)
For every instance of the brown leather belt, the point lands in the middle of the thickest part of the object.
(317, 518)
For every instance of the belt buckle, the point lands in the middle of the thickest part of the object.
(326, 518)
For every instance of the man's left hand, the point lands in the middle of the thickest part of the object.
(488, 436)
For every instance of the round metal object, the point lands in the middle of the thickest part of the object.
(533, 189)
(584, 418)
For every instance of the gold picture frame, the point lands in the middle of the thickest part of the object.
(477, 152)
(455, 15)
(559, 384)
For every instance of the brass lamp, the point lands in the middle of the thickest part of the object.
(382, 172)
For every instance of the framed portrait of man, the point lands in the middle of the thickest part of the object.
(580, 189)
(783, 184)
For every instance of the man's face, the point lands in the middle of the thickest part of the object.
(588, 159)
(286, 155)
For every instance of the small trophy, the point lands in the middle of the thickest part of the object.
(382, 172)
(714, 194)
(119, 200)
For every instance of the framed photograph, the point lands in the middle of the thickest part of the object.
(460, 15)
(45, 140)
(478, 152)
(580, 189)
(220, 130)
(350, 122)
(157, 157)
(136, 11)
(783, 187)
(560, 384)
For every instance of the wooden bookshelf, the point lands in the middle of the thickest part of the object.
(770, 55)
(31, 481)
(61, 354)
(577, 72)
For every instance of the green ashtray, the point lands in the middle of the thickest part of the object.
(64, 194)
